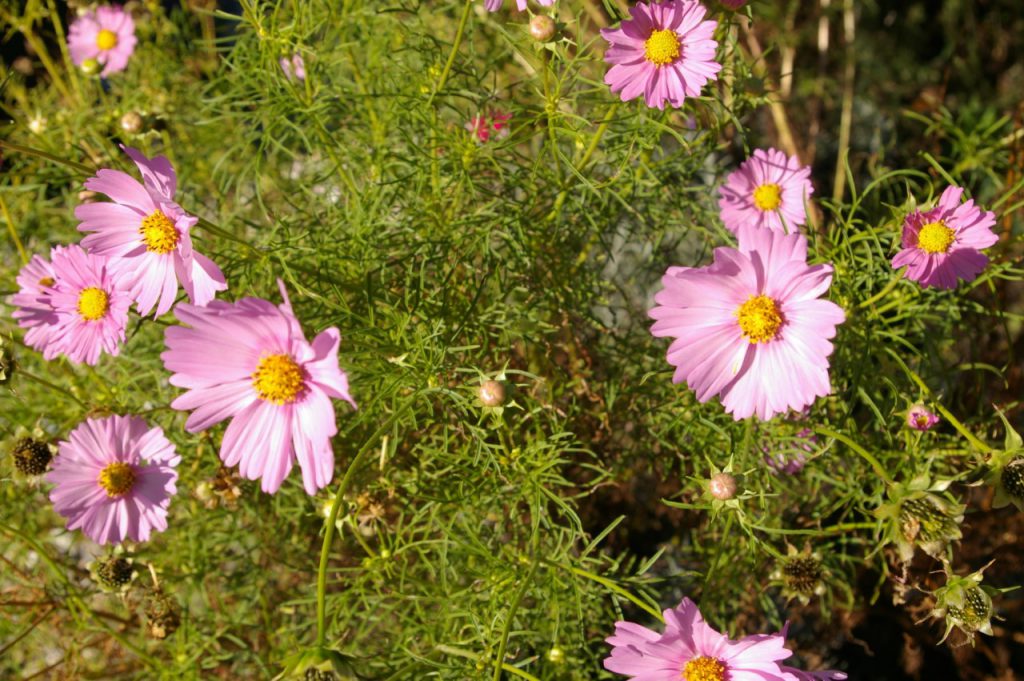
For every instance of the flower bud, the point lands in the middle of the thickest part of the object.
(31, 457)
(722, 486)
(90, 67)
(556, 655)
(542, 28)
(131, 122)
(491, 393)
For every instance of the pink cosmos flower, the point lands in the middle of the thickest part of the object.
(495, 5)
(791, 458)
(943, 244)
(483, 126)
(750, 327)
(34, 308)
(690, 649)
(76, 307)
(249, 361)
(114, 479)
(106, 35)
(768, 190)
(146, 235)
(919, 418)
(664, 52)
(294, 67)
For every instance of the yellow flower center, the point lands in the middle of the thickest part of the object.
(117, 479)
(767, 197)
(93, 303)
(278, 379)
(159, 233)
(921, 420)
(662, 47)
(47, 281)
(935, 237)
(759, 319)
(704, 669)
(106, 40)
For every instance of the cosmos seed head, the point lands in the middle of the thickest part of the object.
(803, 574)
(1012, 478)
(31, 457)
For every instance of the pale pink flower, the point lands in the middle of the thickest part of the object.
(750, 327)
(294, 67)
(919, 418)
(76, 307)
(690, 649)
(768, 190)
(106, 35)
(249, 361)
(34, 308)
(791, 458)
(483, 126)
(495, 5)
(944, 244)
(114, 478)
(664, 51)
(146, 235)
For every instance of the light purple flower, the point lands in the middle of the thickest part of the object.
(81, 314)
(792, 458)
(919, 418)
(664, 51)
(690, 649)
(249, 361)
(294, 67)
(33, 301)
(495, 5)
(943, 244)
(751, 327)
(146, 236)
(768, 190)
(114, 478)
(106, 35)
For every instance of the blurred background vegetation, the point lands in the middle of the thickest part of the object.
(480, 537)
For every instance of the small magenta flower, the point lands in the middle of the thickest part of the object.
(114, 478)
(106, 35)
(664, 51)
(751, 327)
(495, 5)
(294, 67)
(919, 418)
(495, 123)
(249, 361)
(791, 459)
(944, 244)
(74, 306)
(691, 650)
(768, 190)
(146, 236)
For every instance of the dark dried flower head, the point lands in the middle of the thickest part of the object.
(31, 457)
(114, 573)
(162, 614)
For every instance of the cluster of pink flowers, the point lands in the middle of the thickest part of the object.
(248, 361)
(691, 650)
(495, 123)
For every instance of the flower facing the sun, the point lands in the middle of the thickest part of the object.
(114, 478)
(249, 361)
(768, 190)
(106, 35)
(145, 234)
(943, 244)
(664, 51)
(751, 327)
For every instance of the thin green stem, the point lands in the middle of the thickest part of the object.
(610, 585)
(470, 655)
(824, 532)
(455, 49)
(52, 386)
(893, 283)
(32, 151)
(325, 550)
(860, 451)
(14, 232)
(507, 628)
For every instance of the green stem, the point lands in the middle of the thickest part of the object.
(56, 388)
(455, 48)
(32, 151)
(325, 550)
(503, 645)
(470, 655)
(884, 292)
(833, 529)
(610, 585)
(14, 233)
(860, 451)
